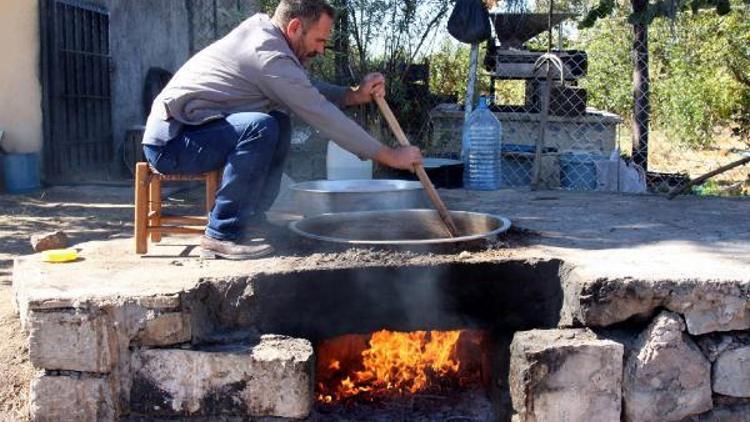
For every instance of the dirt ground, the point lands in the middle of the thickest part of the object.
(85, 213)
(15, 369)
(669, 157)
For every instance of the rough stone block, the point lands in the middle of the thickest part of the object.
(711, 311)
(72, 341)
(70, 398)
(730, 355)
(166, 329)
(159, 301)
(566, 375)
(46, 241)
(666, 377)
(728, 413)
(271, 378)
(731, 373)
(715, 344)
(707, 306)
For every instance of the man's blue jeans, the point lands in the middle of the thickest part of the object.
(252, 147)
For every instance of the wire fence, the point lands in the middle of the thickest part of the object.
(559, 130)
(210, 20)
(551, 137)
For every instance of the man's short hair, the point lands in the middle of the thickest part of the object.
(309, 11)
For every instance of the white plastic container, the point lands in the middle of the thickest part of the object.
(343, 165)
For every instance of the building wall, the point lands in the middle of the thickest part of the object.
(143, 34)
(20, 89)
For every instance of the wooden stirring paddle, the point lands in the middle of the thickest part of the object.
(419, 169)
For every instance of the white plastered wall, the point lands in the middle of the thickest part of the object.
(20, 89)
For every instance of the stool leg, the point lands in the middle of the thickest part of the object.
(154, 200)
(141, 208)
(212, 186)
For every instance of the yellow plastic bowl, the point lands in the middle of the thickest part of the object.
(60, 255)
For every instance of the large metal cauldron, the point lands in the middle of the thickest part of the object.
(399, 227)
(327, 196)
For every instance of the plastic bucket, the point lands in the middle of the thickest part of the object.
(343, 165)
(578, 170)
(516, 168)
(21, 172)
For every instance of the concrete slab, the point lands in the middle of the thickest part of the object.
(625, 235)
(625, 254)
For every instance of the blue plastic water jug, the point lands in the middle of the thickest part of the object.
(481, 149)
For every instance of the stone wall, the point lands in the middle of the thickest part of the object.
(659, 374)
(100, 362)
(202, 353)
(595, 131)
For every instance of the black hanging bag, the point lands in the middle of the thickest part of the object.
(469, 21)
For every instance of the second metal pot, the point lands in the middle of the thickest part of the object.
(333, 196)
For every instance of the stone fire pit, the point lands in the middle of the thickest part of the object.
(600, 304)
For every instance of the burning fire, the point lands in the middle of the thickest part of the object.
(395, 363)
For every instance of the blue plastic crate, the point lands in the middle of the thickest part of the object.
(578, 170)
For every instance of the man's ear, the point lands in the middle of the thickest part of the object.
(295, 26)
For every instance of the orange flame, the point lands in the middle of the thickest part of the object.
(393, 363)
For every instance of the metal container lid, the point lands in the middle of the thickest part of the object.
(356, 186)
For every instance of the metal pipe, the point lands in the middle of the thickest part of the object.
(550, 59)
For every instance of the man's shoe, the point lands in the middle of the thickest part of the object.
(259, 226)
(264, 230)
(214, 248)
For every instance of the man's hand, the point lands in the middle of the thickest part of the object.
(402, 158)
(372, 84)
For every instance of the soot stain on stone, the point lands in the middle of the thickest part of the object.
(148, 399)
(225, 400)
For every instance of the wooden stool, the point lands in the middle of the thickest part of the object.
(148, 218)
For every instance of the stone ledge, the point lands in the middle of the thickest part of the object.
(597, 294)
(707, 306)
(271, 378)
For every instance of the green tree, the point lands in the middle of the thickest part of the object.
(642, 14)
(738, 62)
(696, 91)
(608, 81)
(694, 86)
